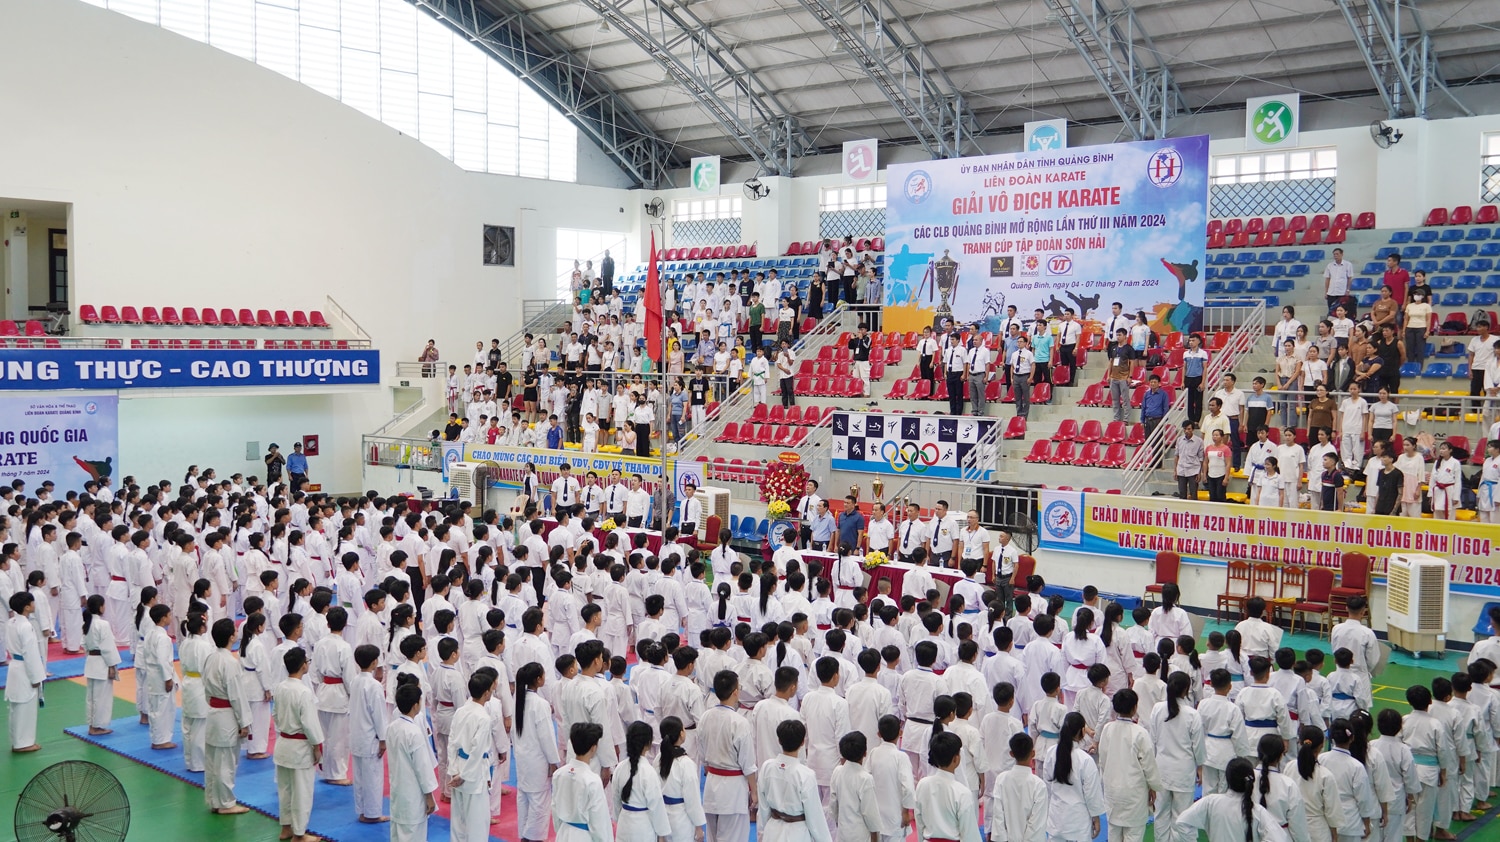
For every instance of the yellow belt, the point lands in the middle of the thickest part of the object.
(190, 674)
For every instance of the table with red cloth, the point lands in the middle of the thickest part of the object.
(627, 536)
(895, 572)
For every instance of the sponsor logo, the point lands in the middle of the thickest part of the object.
(1059, 264)
(1031, 266)
(90, 408)
(1002, 267)
(1165, 167)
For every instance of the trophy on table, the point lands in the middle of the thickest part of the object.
(945, 278)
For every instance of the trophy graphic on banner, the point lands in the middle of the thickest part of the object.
(945, 278)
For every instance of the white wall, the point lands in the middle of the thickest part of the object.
(197, 178)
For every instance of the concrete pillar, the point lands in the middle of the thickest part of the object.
(17, 274)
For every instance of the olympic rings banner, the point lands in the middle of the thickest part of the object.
(914, 445)
(1075, 228)
(1215, 533)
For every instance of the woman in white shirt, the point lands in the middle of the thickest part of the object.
(1412, 467)
(1418, 314)
(1169, 622)
(1273, 487)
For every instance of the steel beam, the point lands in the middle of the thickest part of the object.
(1403, 64)
(886, 49)
(1120, 54)
(704, 65)
(548, 67)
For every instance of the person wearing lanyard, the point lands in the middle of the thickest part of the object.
(822, 528)
(974, 541)
(851, 524)
(913, 534)
(927, 349)
(614, 498)
(641, 418)
(1006, 554)
(1194, 364)
(1118, 321)
(1020, 363)
(692, 511)
(1067, 344)
(955, 358)
(1040, 338)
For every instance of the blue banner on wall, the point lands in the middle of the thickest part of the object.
(55, 368)
(68, 439)
(1052, 230)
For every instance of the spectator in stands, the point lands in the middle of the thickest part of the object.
(927, 355)
(429, 355)
(1395, 277)
(759, 370)
(1445, 483)
(785, 316)
(1385, 309)
(1194, 367)
(978, 366)
(1021, 363)
(757, 317)
(1383, 414)
(1324, 341)
(1041, 348)
(859, 347)
(955, 358)
(1419, 283)
(1141, 335)
(296, 467)
(1337, 276)
(1215, 419)
(1287, 370)
(1258, 405)
(820, 285)
(1489, 484)
(1286, 329)
(1391, 351)
(1232, 399)
(1117, 321)
(1482, 359)
(1320, 411)
(275, 462)
(1388, 485)
(1418, 326)
(1354, 425)
(874, 294)
(1188, 464)
(1154, 405)
(1010, 341)
(1121, 364)
(640, 419)
(848, 273)
(1216, 459)
(1311, 371)
(794, 298)
(786, 363)
(607, 273)
(1342, 326)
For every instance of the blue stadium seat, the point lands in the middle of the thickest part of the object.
(1244, 257)
(1465, 249)
(1361, 284)
(1211, 272)
(1490, 249)
(1400, 236)
(1453, 265)
(747, 528)
(1277, 271)
(1413, 252)
(1491, 282)
(1467, 282)
(1213, 287)
(1440, 282)
(1259, 287)
(1452, 235)
(1224, 258)
(1436, 370)
(1283, 285)
(1461, 371)
(1426, 235)
(1428, 266)
(1266, 257)
(1369, 299)
(1299, 270)
(1272, 302)
(1454, 299)
(1229, 272)
(1411, 369)
(1293, 256)
(1251, 271)
(1314, 255)
(1374, 267)
(1386, 251)
(1235, 287)
(1481, 264)
(1452, 352)
(1484, 299)
(1440, 251)
(1478, 234)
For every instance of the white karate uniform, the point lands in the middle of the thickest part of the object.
(156, 656)
(193, 653)
(580, 810)
(228, 712)
(1072, 805)
(643, 816)
(1019, 807)
(1223, 817)
(1180, 750)
(852, 803)
(367, 729)
(100, 701)
(469, 758)
(787, 787)
(683, 800)
(728, 755)
(296, 714)
(827, 717)
(895, 787)
(412, 778)
(1127, 765)
(534, 745)
(946, 809)
(23, 686)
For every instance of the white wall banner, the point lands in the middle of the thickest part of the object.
(861, 163)
(1271, 122)
(66, 438)
(705, 174)
(1046, 135)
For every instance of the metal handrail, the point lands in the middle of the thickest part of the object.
(338, 310)
(410, 368)
(397, 452)
(1250, 329)
(421, 406)
(113, 343)
(979, 462)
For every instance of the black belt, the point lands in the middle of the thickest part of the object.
(785, 817)
(920, 719)
(96, 652)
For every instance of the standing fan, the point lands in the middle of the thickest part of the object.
(75, 801)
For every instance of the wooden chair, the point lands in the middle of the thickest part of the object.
(1167, 566)
(1236, 588)
(1354, 580)
(1315, 600)
(1293, 587)
(1265, 579)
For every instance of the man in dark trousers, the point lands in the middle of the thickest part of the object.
(607, 273)
(954, 357)
(860, 347)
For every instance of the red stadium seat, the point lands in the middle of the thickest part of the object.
(262, 318)
(1335, 236)
(1234, 226)
(794, 250)
(190, 316)
(923, 390)
(1093, 395)
(1312, 237)
(1255, 225)
(174, 345)
(35, 328)
(1276, 225)
(1462, 215)
(1114, 457)
(1488, 215)
(1089, 454)
(695, 254)
(862, 244)
(731, 432)
(169, 316)
(195, 344)
(150, 316)
(1060, 374)
(809, 247)
(1286, 238)
(229, 318)
(9, 328)
(1215, 226)
(299, 319)
(744, 251)
(1015, 428)
(1067, 430)
(783, 437)
(1041, 393)
(1041, 452)
(718, 253)
(1264, 239)
(1137, 436)
(1114, 433)
(760, 414)
(129, 316)
(271, 344)
(1297, 223)
(283, 319)
(877, 244)
(793, 415)
(1239, 241)
(1065, 454)
(1090, 431)
(1436, 216)
(1319, 222)
(88, 314)
(210, 316)
(1217, 241)
(799, 434)
(1343, 220)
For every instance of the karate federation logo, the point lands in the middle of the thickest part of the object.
(918, 187)
(1165, 167)
(90, 408)
(1060, 520)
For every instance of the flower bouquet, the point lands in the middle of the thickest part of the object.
(608, 525)
(876, 559)
(778, 509)
(783, 481)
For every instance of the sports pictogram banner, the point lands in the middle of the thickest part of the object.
(914, 445)
(68, 438)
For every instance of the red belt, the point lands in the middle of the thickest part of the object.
(936, 839)
(286, 736)
(215, 702)
(1079, 666)
(117, 578)
(331, 679)
(443, 704)
(825, 626)
(743, 619)
(724, 773)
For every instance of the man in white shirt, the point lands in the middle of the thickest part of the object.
(1006, 555)
(1257, 636)
(977, 370)
(614, 498)
(1068, 332)
(1481, 352)
(637, 504)
(1286, 329)
(1336, 279)
(927, 348)
(692, 512)
(944, 531)
(1020, 364)
(879, 532)
(1118, 321)
(1232, 406)
(912, 534)
(955, 363)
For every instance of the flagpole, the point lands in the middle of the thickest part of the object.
(664, 410)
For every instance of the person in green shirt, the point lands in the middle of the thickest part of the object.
(757, 316)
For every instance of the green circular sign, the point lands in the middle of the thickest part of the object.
(1272, 122)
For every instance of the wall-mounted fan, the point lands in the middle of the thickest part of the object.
(75, 801)
(755, 190)
(1385, 136)
(655, 207)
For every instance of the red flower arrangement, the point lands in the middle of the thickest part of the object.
(782, 481)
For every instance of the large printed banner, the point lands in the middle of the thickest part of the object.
(513, 461)
(1051, 229)
(68, 439)
(920, 445)
(119, 368)
(1213, 533)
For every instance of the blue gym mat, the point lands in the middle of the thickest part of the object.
(69, 667)
(333, 816)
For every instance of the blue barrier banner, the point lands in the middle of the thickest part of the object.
(68, 439)
(114, 368)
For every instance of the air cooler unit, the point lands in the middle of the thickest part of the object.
(1417, 602)
(715, 502)
(466, 481)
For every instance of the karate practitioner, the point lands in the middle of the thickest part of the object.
(679, 787)
(945, 807)
(413, 780)
(23, 688)
(228, 721)
(580, 810)
(1075, 795)
(1127, 765)
(1223, 815)
(640, 813)
(333, 670)
(1019, 799)
(851, 793)
(534, 742)
(299, 746)
(155, 669)
(470, 764)
(193, 649)
(729, 759)
(826, 715)
(367, 736)
(101, 667)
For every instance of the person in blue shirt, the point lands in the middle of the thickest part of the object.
(1154, 405)
(554, 433)
(296, 467)
(823, 526)
(851, 524)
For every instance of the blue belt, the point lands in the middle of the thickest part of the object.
(580, 825)
(1425, 759)
(1343, 697)
(972, 610)
(1260, 723)
(15, 657)
(671, 800)
(1219, 736)
(1051, 735)
(631, 807)
(464, 755)
(648, 710)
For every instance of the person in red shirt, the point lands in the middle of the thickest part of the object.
(1396, 278)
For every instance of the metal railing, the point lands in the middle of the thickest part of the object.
(1245, 322)
(1008, 506)
(417, 371)
(421, 407)
(394, 452)
(337, 311)
(116, 344)
(981, 460)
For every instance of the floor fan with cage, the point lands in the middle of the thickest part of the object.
(75, 801)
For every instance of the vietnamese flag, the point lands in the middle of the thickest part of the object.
(653, 309)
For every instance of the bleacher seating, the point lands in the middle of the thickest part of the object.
(169, 317)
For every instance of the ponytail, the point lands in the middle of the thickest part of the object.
(1188, 647)
(1083, 620)
(1170, 593)
(671, 732)
(1165, 649)
(637, 740)
(1311, 740)
(724, 593)
(1067, 738)
(94, 608)
(526, 676)
(1240, 776)
(1269, 750)
(942, 707)
(251, 627)
(1359, 742)
(1177, 687)
(1113, 614)
(148, 594)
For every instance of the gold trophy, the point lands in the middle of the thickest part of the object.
(945, 278)
(854, 491)
(878, 486)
